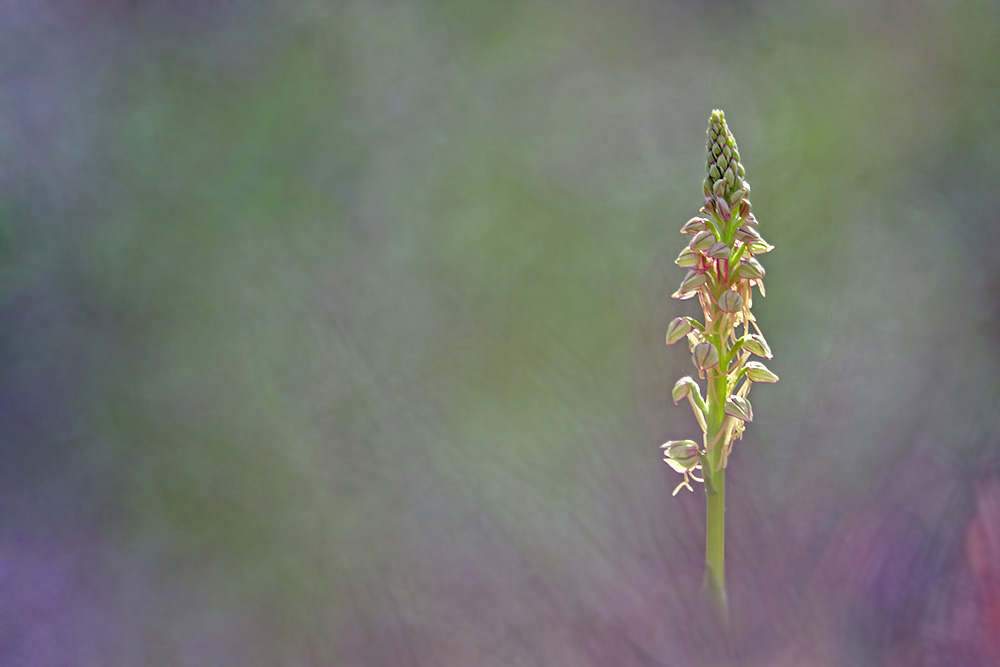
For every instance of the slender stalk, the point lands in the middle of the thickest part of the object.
(715, 544)
(715, 519)
(722, 272)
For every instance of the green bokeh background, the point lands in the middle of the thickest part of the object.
(332, 333)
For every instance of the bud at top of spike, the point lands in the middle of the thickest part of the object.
(723, 164)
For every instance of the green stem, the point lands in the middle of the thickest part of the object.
(715, 520)
(715, 545)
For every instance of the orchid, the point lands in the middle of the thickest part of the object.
(723, 269)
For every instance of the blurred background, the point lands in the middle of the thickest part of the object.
(331, 333)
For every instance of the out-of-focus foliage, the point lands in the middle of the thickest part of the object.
(332, 333)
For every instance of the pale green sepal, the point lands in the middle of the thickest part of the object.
(678, 329)
(688, 259)
(758, 372)
(694, 225)
(750, 268)
(739, 408)
(689, 286)
(702, 241)
(719, 251)
(730, 302)
(683, 387)
(756, 344)
(704, 356)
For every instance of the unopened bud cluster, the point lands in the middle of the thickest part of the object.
(722, 271)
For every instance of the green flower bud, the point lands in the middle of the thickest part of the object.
(750, 268)
(737, 196)
(689, 286)
(745, 209)
(688, 259)
(758, 372)
(702, 241)
(694, 225)
(682, 455)
(678, 328)
(739, 408)
(723, 162)
(756, 344)
(719, 251)
(682, 388)
(730, 302)
(704, 356)
(724, 210)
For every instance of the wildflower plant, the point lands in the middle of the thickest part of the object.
(721, 258)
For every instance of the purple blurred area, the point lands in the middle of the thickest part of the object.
(331, 333)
